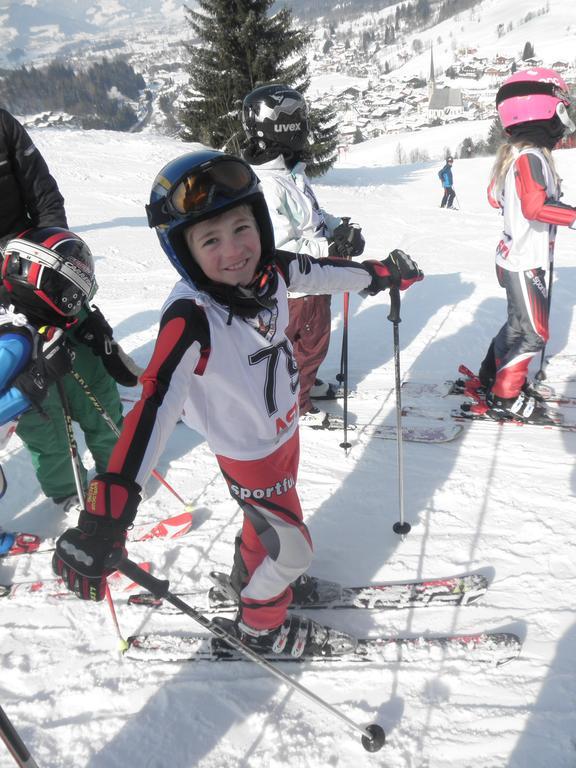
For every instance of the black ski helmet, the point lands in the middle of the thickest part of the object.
(49, 272)
(276, 116)
(201, 185)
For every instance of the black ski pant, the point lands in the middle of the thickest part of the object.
(525, 331)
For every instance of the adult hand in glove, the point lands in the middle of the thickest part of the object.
(52, 358)
(87, 554)
(398, 270)
(347, 240)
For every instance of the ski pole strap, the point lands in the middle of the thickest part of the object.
(394, 315)
(158, 587)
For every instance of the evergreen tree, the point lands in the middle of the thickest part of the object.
(496, 136)
(239, 47)
(323, 152)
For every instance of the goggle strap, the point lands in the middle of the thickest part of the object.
(529, 88)
(157, 214)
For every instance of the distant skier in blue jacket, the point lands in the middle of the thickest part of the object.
(445, 176)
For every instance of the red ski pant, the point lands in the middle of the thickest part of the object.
(275, 545)
(525, 331)
(309, 331)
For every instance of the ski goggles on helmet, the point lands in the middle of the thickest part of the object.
(532, 88)
(208, 187)
(64, 285)
(565, 118)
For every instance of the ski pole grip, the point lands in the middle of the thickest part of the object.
(394, 315)
(158, 587)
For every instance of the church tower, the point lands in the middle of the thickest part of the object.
(431, 80)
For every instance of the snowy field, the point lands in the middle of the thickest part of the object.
(498, 500)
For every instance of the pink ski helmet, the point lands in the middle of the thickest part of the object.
(534, 94)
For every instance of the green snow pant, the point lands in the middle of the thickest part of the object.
(46, 438)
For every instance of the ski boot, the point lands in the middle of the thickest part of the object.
(297, 637)
(520, 408)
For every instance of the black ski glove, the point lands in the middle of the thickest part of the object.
(87, 554)
(347, 240)
(398, 270)
(52, 358)
(96, 332)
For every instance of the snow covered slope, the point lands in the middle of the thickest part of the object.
(498, 500)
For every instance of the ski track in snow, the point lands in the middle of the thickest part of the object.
(495, 500)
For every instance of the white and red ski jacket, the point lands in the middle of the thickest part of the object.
(233, 380)
(530, 202)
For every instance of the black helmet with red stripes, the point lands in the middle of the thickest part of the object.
(48, 272)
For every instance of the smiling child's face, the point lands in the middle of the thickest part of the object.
(227, 247)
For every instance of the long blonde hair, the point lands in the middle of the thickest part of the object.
(506, 155)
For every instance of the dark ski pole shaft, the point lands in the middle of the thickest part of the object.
(72, 445)
(14, 743)
(401, 527)
(541, 374)
(344, 350)
(344, 370)
(372, 735)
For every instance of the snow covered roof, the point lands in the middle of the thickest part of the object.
(445, 97)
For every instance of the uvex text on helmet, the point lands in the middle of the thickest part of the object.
(276, 115)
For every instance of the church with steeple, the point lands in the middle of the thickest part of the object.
(443, 103)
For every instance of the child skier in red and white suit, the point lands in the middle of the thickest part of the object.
(525, 186)
(222, 359)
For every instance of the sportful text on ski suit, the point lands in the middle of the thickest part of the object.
(300, 226)
(235, 382)
(532, 212)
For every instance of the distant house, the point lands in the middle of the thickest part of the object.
(353, 90)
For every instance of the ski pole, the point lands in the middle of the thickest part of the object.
(14, 743)
(72, 444)
(112, 424)
(541, 375)
(401, 527)
(373, 736)
(344, 350)
(344, 370)
(123, 643)
(75, 458)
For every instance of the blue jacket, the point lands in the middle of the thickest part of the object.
(445, 176)
(15, 351)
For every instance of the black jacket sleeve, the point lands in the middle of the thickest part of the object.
(29, 194)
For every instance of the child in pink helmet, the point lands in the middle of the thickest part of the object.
(524, 185)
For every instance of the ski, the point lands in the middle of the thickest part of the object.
(54, 589)
(495, 648)
(471, 386)
(17, 543)
(433, 433)
(452, 590)
(477, 413)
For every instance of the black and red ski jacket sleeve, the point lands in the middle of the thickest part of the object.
(184, 329)
(534, 199)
